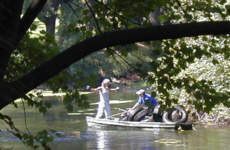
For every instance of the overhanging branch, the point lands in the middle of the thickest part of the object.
(80, 50)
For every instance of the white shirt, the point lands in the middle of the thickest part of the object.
(104, 95)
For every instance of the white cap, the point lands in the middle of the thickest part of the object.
(106, 81)
(141, 91)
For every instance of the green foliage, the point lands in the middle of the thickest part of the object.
(32, 51)
(41, 138)
(74, 97)
(165, 62)
(169, 73)
(87, 69)
(194, 71)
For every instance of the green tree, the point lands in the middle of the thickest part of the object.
(174, 56)
(27, 61)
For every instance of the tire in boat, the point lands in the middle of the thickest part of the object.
(140, 115)
(178, 109)
(129, 115)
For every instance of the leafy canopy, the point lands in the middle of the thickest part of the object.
(167, 63)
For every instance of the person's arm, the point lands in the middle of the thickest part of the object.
(138, 104)
(114, 89)
(135, 106)
(96, 89)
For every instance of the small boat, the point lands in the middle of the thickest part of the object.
(92, 122)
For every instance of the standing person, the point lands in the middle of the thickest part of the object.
(145, 99)
(104, 92)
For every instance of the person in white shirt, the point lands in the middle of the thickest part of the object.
(104, 92)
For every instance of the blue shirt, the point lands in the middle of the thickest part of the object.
(148, 98)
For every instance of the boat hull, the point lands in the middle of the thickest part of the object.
(91, 121)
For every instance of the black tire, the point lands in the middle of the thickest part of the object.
(178, 109)
(140, 115)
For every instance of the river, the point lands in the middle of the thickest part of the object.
(74, 133)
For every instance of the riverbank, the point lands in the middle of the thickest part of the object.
(48, 93)
(218, 117)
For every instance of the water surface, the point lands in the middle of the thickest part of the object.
(74, 133)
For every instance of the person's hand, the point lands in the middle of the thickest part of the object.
(117, 88)
(87, 87)
(129, 109)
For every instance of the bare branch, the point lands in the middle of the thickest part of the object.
(94, 16)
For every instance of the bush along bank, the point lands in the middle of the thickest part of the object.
(219, 116)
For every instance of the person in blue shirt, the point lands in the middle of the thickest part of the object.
(145, 99)
(150, 102)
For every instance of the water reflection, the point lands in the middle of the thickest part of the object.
(113, 139)
(103, 140)
(76, 135)
(121, 139)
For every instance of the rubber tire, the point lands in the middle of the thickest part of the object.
(166, 119)
(140, 115)
(130, 115)
(134, 112)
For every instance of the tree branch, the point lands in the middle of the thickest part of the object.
(29, 16)
(94, 17)
(80, 50)
(10, 11)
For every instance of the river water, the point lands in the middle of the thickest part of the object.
(74, 133)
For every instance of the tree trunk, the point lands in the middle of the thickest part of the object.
(50, 21)
(50, 24)
(9, 22)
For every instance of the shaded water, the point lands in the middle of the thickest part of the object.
(76, 135)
